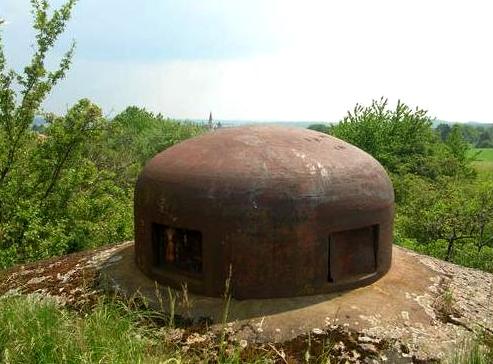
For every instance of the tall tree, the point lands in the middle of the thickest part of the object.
(438, 212)
(21, 94)
(444, 130)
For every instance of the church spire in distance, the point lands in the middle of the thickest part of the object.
(211, 124)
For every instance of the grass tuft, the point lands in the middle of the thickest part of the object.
(38, 330)
(477, 351)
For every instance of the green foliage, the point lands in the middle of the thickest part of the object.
(149, 134)
(485, 139)
(474, 351)
(457, 146)
(35, 329)
(73, 187)
(56, 200)
(21, 94)
(68, 185)
(443, 208)
(402, 139)
(443, 131)
(447, 216)
(133, 137)
(451, 219)
(25, 191)
(482, 160)
(482, 154)
(323, 128)
(398, 138)
(476, 135)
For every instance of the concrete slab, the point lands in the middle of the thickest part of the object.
(407, 305)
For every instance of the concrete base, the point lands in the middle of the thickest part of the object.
(404, 305)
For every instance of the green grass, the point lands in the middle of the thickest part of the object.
(35, 329)
(478, 351)
(483, 159)
(483, 154)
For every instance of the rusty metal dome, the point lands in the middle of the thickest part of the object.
(292, 212)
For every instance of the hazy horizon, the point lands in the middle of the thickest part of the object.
(268, 59)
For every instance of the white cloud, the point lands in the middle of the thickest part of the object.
(435, 54)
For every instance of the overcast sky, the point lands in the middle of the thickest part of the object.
(268, 59)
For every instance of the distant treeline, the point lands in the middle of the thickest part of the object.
(479, 136)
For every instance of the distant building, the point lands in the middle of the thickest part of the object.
(211, 125)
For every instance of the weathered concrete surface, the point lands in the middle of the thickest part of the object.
(410, 307)
(72, 279)
(407, 309)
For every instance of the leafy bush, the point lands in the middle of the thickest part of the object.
(402, 139)
(68, 185)
(323, 128)
(133, 137)
(444, 208)
(73, 187)
(54, 198)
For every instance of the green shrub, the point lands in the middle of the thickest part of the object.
(403, 140)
